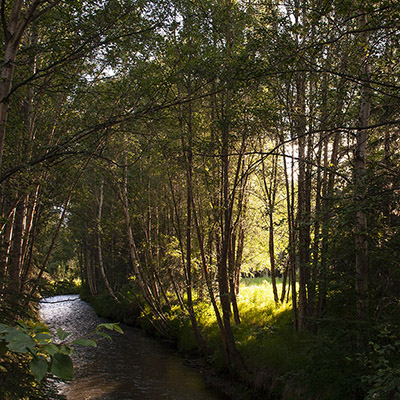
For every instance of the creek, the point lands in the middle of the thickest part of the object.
(130, 367)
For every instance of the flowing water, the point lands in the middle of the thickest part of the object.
(130, 367)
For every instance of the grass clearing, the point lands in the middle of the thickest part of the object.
(266, 337)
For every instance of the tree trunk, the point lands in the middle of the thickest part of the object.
(14, 31)
(270, 191)
(232, 354)
(14, 262)
(188, 153)
(328, 181)
(360, 161)
(232, 278)
(99, 247)
(163, 325)
(302, 201)
(292, 236)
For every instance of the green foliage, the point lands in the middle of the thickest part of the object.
(17, 381)
(37, 342)
(186, 340)
(104, 305)
(88, 342)
(18, 341)
(328, 368)
(55, 286)
(265, 337)
(62, 334)
(39, 367)
(382, 366)
(61, 366)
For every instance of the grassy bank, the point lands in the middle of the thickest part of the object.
(283, 364)
(49, 288)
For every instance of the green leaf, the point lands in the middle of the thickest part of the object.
(107, 336)
(118, 329)
(62, 334)
(19, 342)
(4, 328)
(39, 367)
(42, 338)
(41, 329)
(50, 348)
(85, 342)
(110, 326)
(65, 349)
(22, 325)
(61, 366)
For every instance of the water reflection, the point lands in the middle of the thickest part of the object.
(130, 367)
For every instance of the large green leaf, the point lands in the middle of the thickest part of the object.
(63, 349)
(4, 328)
(39, 367)
(19, 342)
(61, 366)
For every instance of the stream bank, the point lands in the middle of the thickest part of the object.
(181, 340)
(132, 366)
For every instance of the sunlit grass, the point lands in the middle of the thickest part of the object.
(256, 305)
(265, 336)
(256, 302)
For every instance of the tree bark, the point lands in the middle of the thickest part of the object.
(162, 325)
(14, 262)
(188, 153)
(13, 31)
(99, 246)
(270, 191)
(292, 235)
(302, 198)
(360, 170)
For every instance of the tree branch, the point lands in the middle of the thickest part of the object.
(4, 20)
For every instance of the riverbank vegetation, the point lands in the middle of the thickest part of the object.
(159, 152)
(281, 362)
